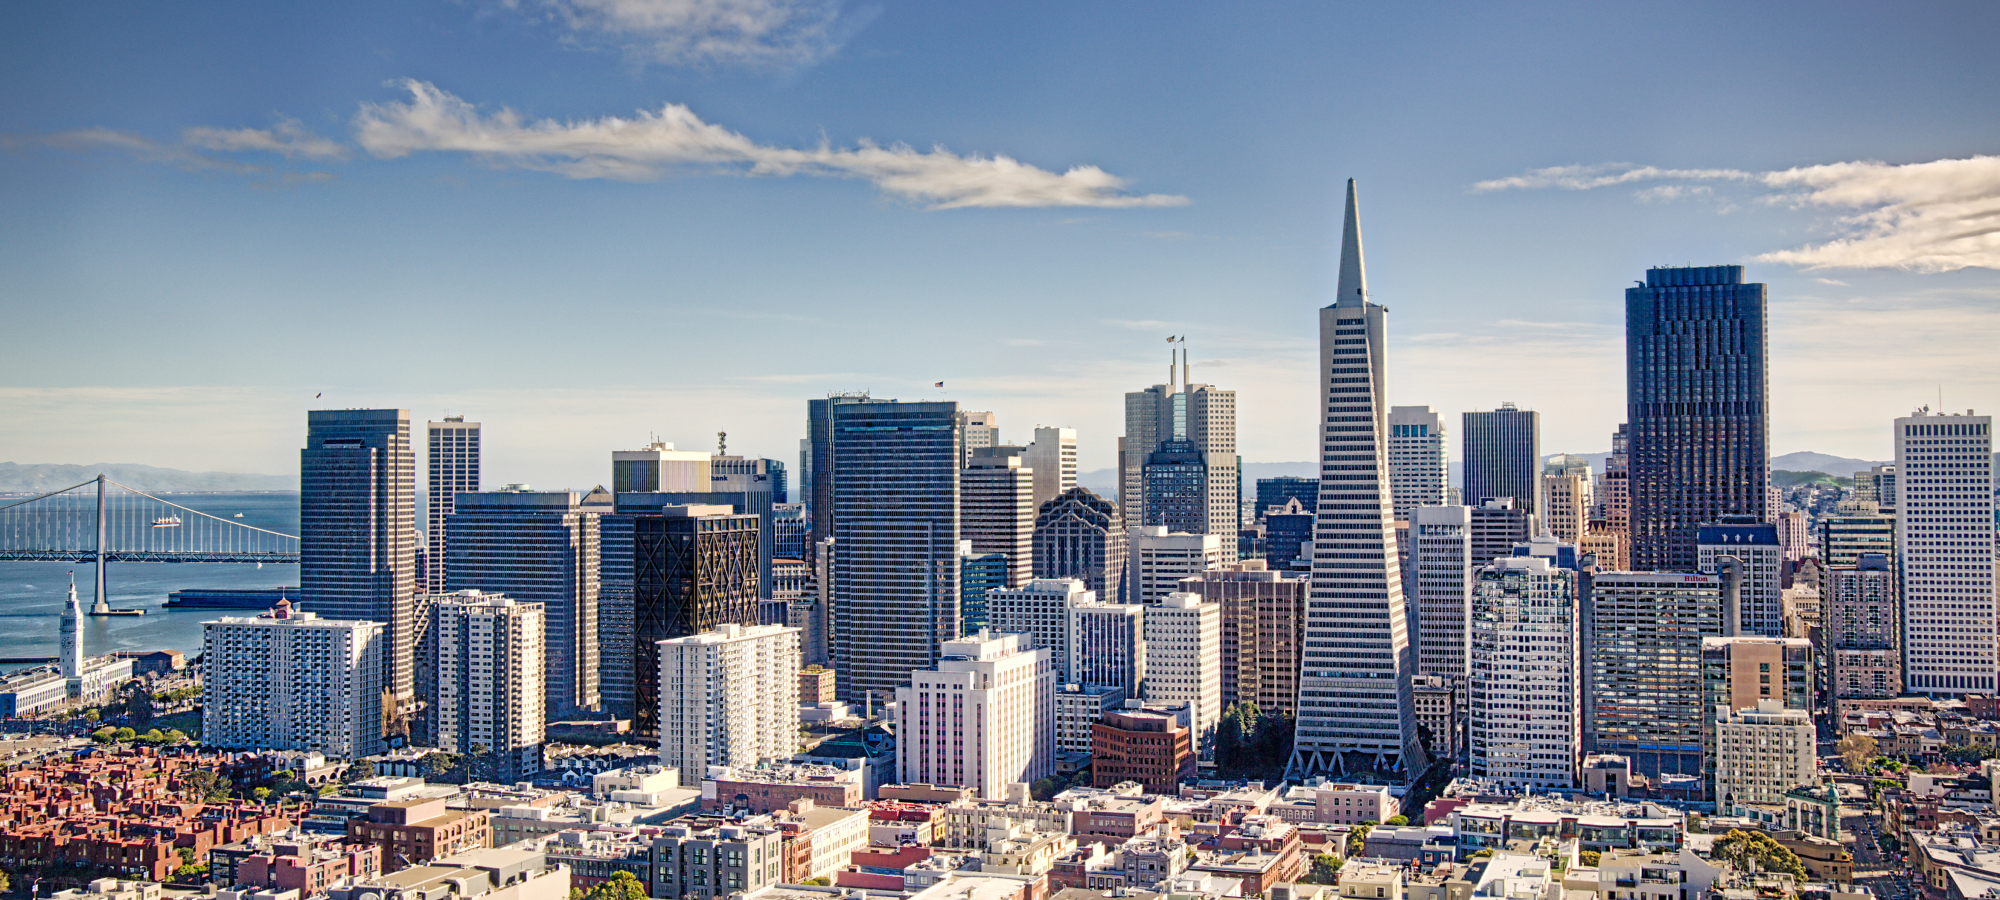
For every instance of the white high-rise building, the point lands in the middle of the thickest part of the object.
(1157, 560)
(71, 663)
(451, 467)
(1763, 752)
(1177, 459)
(1053, 457)
(1440, 575)
(1039, 609)
(1419, 458)
(290, 680)
(1356, 711)
(491, 655)
(980, 429)
(728, 697)
(1756, 545)
(1107, 646)
(996, 508)
(984, 718)
(1524, 682)
(1184, 660)
(1944, 530)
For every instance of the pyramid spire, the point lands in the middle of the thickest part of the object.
(1353, 288)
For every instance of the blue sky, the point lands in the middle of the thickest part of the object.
(587, 221)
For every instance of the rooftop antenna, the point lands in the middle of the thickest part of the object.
(722, 443)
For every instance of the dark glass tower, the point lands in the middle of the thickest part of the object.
(358, 533)
(1503, 457)
(1697, 395)
(892, 472)
(694, 568)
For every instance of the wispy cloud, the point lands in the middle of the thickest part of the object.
(701, 33)
(1936, 216)
(651, 145)
(1832, 281)
(288, 139)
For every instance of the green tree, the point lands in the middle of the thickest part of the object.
(359, 770)
(92, 716)
(262, 794)
(6, 881)
(1589, 857)
(438, 763)
(1399, 820)
(124, 734)
(1855, 751)
(176, 736)
(818, 880)
(1045, 788)
(1325, 869)
(206, 785)
(1748, 849)
(622, 885)
(154, 737)
(1357, 838)
(104, 735)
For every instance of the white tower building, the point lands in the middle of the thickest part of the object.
(1944, 530)
(71, 634)
(1184, 660)
(983, 719)
(1442, 571)
(1355, 705)
(1524, 684)
(451, 467)
(490, 665)
(728, 697)
(1053, 457)
(1039, 609)
(1419, 458)
(290, 680)
(1157, 560)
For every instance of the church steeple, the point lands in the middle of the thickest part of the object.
(1353, 289)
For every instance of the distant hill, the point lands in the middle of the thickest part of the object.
(1789, 478)
(35, 478)
(1808, 461)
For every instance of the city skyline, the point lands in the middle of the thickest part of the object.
(233, 207)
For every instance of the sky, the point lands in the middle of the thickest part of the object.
(586, 223)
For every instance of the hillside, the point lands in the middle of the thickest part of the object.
(1808, 461)
(35, 478)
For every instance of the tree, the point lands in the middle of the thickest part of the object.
(1399, 820)
(622, 885)
(359, 770)
(176, 736)
(818, 880)
(262, 794)
(1589, 857)
(206, 785)
(1357, 838)
(438, 762)
(104, 735)
(1325, 869)
(6, 881)
(1855, 751)
(124, 734)
(1045, 788)
(92, 716)
(154, 737)
(1745, 849)
(1967, 755)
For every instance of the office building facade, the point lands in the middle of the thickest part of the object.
(1052, 455)
(1156, 560)
(1107, 646)
(1440, 578)
(895, 553)
(489, 664)
(1274, 492)
(983, 719)
(1944, 531)
(1263, 632)
(1864, 634)
(1081, 535)
(1503, 456)
(290, 680)
(451, 467)
(537, 547)
(1697, 403)
(1039, 609)
(1854, 529)
(997, 508)
(1355, 708)
(1184, 660)
(1642, 634)
(728, 696)
(1756, 545)
(1524, 681)
(1498, 524)
(694, 570)
(1177, 460)
(1419, 458)
(976, 430)
(357, 535)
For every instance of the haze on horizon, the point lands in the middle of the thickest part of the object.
(587, 223)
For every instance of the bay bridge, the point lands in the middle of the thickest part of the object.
(102, 521)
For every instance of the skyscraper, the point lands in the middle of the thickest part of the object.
(1944, 530)
(1566, 497)
(1642, 634)
(1184, 660)
(694, 570)
(489, 680)
(895, 552)
(451, 467)
(1355, 705)
(1523, 678)
(1107, 645)
(1618, 487)
(659, 467)
(1053, 457)
(357, 534)
(1497, 525)
(1697, 403)
(1039, 609)
(1864, 634)
(1419, 458)
(290, 680)
(1156, 560)
(1273, 492)
(983, 719)
(996, 508)
(1503, 456)
(1081, 535)
(542, 548)
(1442, 569)
(1756, 545)
(977, 430)
(1856, 527)
(1185, 434)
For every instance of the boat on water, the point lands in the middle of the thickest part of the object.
(167, 522)
(237, 516)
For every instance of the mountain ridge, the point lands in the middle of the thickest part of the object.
(37, 478)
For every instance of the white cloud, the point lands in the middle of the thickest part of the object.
(85, 140)
(1666, 192)
(1832, 281)
(777, 33)
(288, 139)
(652, 144)
(1936, 216)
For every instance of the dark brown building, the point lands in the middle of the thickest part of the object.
(1151, 748)
(414, 832)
